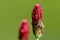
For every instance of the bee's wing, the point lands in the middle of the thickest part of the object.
(43, 25)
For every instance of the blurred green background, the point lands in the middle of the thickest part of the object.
(12, 12)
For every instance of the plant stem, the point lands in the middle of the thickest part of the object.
(37, 39)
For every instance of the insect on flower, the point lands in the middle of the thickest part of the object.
(37, 21)
(24, 30)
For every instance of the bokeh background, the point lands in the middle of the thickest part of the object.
(12, 12)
